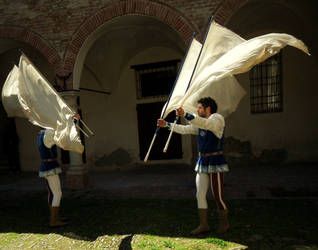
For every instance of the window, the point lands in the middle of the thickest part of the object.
(266, 86)
(155, 79)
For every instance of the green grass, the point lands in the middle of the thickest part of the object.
(217, 242)
(100, 223)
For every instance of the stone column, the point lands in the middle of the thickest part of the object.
(77, 173)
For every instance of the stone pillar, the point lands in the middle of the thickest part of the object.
(76, 173)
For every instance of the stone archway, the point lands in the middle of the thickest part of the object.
(133, 7)
(104, 64)
(36, 41)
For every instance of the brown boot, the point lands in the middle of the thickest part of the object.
(224, 223)
(204, 226)
(55, 221)
(62, 218)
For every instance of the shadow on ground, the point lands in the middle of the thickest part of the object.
(259, 224)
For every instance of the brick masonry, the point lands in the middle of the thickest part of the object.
(59, 28)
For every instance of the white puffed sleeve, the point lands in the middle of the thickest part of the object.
(215, 123)
(184, 129)
(48, 138)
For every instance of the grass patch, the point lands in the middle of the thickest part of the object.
(155, 242)
(169, 244)
(218, 242)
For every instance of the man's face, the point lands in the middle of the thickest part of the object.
(201, 110)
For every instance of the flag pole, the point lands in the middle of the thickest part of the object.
(195, 66)
(82, 130)
(165, 108)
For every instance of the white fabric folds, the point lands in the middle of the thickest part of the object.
(227, 92)
(9, 94)
(42, 105)
(225, 54)
(184, 77)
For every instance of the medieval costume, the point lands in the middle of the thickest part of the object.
(210, 166)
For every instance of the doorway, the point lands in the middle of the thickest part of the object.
(147, 115)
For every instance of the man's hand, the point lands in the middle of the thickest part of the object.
(180, 112)
(77, 116)
(161, 123)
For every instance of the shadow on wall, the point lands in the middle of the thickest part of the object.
(119, 157)
(240, 153)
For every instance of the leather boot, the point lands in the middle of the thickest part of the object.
(204, 226)
(62, 218)
(224, 223)
(55, 221)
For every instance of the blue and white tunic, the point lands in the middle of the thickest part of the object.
(210, 133)
(48, 151)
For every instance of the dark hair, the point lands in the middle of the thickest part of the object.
(209, 102)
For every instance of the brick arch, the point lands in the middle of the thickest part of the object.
(226, 9)
(34, 40)
(122, 8)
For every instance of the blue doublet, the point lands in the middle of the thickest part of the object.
(209, 143)
(49, 165)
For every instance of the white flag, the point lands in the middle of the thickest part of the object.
(183, 78)
(227, 92)
(42, 105)
(213, 78)
(219, 40)
(9, 94)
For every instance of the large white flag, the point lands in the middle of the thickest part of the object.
(184, 77)
(213, 79)
(42, 105)
(226, 92)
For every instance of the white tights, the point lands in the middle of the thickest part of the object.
(54, 185)
(203, 181)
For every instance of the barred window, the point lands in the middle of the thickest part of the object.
(266, 86)
(155, 79)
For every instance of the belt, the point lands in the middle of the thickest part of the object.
(48, 160)
(210, 154)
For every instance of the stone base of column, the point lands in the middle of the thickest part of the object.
(77, 177)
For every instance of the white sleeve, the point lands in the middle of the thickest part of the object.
(215, 123)
(48, 138)
(184, 129)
